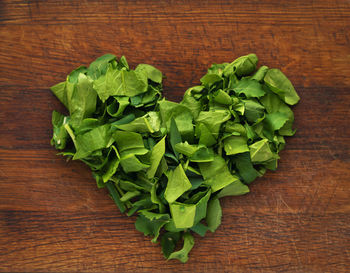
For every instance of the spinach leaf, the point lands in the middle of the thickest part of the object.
(216, 173)
(99, 67)
(250, 88)
(182, 214)
(235, 145)
(156, 156)
(151, 226)
(236, 188)
(213, 120)
(151, 72)
(260, 151)
(245, 167)
(170, 162)
(175, 137)
(279, 84)
(181, 115)
(60, 135)
(182, 255)
(120, 83)
(178, 183)
(168, 242)
(98, 138)
(243, 65)
(200, 229)
(214, 214)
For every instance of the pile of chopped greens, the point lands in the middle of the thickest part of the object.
(167, 162)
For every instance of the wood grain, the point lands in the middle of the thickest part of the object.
(52, 216)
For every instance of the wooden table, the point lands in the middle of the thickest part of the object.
(52, 216)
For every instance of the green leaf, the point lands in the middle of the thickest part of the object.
(87, 125)
(150, 227)
(168, 242)
(274, 104)
(154, 216)
(196, 153)
(204, 135)
(217, 68)
(149, 123)
(129, 195)
(60, 134)
(183, 214)
(157, 154)
(130, 163)
(279, 84)
(82, 102)
(115, 196)
(123, 63)
(60, 92)
(253, 110)
(151, 72)
(235, 145)
(201, 207)
(171, 162)
(260, 151)
(73, 76)
(174, 137)
(155, 199)
(216, 173)
(178, 183)
(260, 74)
(214, 214)
(209, 80)
(182, 255)
(200, 229)
(222, 97)
(99, 66)
(191, 103)
(236, 188)
(111, 166)
(117, 107)
(98, 138)
(242, 66)
(129, 142)
(245, 167)
(234, 128)
(275, 121)
(250, 88)
(213, 120)
(171, 226)
(182, 116)
(120, 83)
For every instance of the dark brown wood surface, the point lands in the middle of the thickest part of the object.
(52, 216)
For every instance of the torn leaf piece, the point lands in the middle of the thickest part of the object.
(260, 151)
(235, 145)
(183, 214)
(178, 183)
(245, 167)
(97, 138)
(60, 134)
(281, 85)
(157, 154)
(182, 255)
(150, 223)
(195, 153)
(216, 173)
(214, 214)
(250, 88)
(168, 242)
(236, 188)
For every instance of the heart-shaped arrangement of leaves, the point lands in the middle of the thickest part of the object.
(172, 162)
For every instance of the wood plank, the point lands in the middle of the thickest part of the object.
(52, 216)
